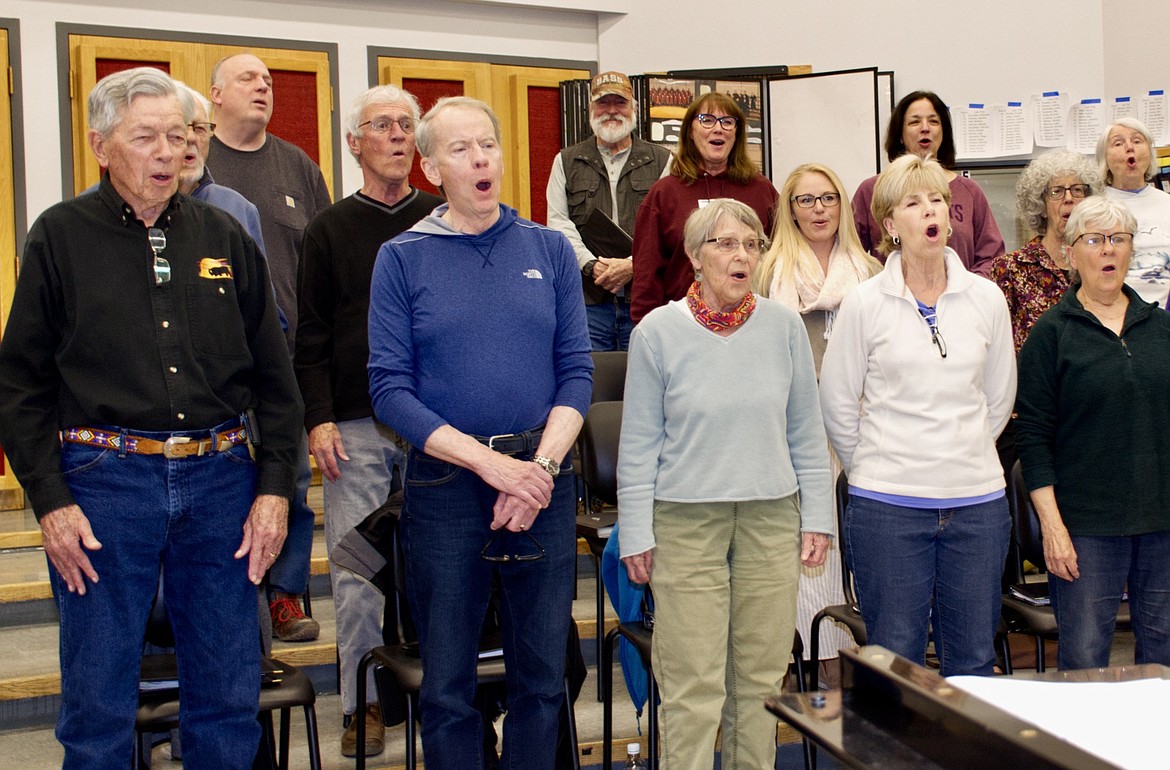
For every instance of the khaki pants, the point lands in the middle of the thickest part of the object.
(724, 582)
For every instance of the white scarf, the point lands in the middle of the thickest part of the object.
(805, 294)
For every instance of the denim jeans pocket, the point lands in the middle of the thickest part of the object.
(79, 458)
(238, 455)
(425, 471)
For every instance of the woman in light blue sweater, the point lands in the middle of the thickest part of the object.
(723, 489)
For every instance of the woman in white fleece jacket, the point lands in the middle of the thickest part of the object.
(918, 380)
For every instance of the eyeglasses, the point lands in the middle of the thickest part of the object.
(1097, 240)
(940, 343)
(731, 245)
(382, 125)
(707, 120)
(1076, 190)
(808, 201)
(202, 128)
(936, 337)
(533, 550)
(162, 268)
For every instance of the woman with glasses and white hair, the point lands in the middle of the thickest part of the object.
(723, 491)
(711, 162)
(1092, 430)
(815, 259)
(917, 382)
(1125, 153)
(1035, 277)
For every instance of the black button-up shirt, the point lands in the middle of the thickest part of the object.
(92, 339)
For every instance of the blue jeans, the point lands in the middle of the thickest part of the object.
(1086, 608)
(185, 517)
(290, 572)
(906, 560)
(445, 526)
(609, 325)
(364, 486)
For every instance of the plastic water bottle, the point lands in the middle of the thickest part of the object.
(634, 759)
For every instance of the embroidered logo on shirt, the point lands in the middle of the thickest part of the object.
(215, 269)
(532, 272)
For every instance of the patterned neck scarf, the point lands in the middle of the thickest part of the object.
(718, 320)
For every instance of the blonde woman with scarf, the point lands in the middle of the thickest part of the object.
(815, 259)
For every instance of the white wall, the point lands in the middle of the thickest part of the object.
(966, 51)
(1137, 55)
(976, 50)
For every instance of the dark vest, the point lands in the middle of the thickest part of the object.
(587, 188)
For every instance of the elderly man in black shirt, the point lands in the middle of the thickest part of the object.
(143, 331)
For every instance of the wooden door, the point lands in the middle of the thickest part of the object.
(525, 99)
(304, 117)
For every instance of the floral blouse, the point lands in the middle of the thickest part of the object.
(1031, 282)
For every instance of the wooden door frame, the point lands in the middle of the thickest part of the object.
(12, 232)
(65, 29)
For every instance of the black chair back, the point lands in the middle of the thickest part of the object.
(842, 494)
(609, 375)
(1027, 542)
(158, 625)
(599, 450)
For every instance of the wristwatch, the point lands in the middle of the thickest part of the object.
(590, 266)
(550, 465)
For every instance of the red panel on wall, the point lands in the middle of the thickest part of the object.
(429, 91)
(544, 142)
(294, 110)
(110, 66)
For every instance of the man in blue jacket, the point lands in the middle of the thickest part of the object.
(479, 357)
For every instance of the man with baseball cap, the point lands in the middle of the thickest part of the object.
(609, 173)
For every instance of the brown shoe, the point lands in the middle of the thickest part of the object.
(375, 733)
(289, 622)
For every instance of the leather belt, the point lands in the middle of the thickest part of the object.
(173, 448)
(513, 443)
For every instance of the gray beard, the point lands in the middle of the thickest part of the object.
(610, 134)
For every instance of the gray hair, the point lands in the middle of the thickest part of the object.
(1098, 211)
(1032, 188)
(112, 96)
(198, 97)
(386, 94)
(1102, 140)
(702, 221)
(424, 136)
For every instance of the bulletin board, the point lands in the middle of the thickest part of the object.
(832, 118)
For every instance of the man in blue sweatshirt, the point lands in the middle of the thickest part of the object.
(479, 357)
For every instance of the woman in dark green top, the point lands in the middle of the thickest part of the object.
(1094, 439)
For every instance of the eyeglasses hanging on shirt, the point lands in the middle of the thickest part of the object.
(162, 268)
(930, 315)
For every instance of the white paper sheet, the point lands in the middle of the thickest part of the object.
(1122, 107)
(1086, 121)
(1050, 110)
(1122, 722)
(1152, 112)
(991, 131)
